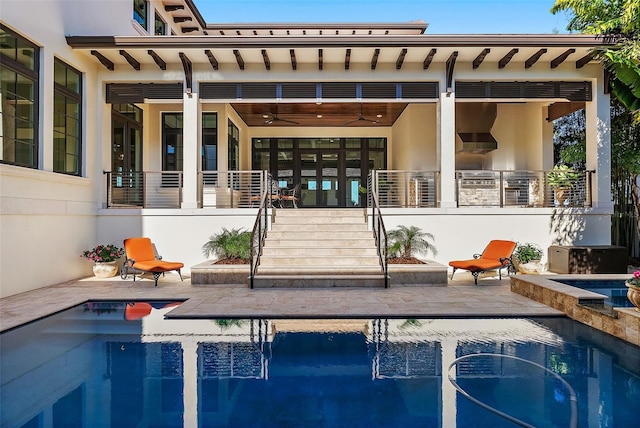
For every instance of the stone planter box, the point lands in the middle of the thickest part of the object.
(208, 273)
(430, 273)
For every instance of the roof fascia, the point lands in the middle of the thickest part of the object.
(414, 26)
(467, 40)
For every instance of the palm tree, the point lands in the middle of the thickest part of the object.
(405, 240)
(229, 244)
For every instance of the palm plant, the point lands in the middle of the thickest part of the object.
(407, 239)
(229, 244)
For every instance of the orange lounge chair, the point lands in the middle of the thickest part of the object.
(497, 255)
(141, 257)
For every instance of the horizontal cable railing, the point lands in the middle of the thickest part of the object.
(137, 189)
(555, 188)
(406, 189)
(231, 189)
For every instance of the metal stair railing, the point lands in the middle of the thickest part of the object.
(260, 227)
(377, 224)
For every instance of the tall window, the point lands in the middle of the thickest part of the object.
(172, 141)
(18, 99)
(209, 141)
(140, 12)
(160, 26)
(234, 147)
(67, 119)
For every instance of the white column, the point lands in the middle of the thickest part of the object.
(190, 386)
(599, 146)
(45, 145)
(447, 149)
(449, 393)
(191, 126)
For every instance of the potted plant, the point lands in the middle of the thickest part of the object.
(526, 258)
(633, 292)
(562, 179)
(230, 246)
(105, 258)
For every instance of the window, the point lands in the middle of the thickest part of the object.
(172, 141)
(209, 141)
(140, 12)
(67, 119)
(234, 147)
(160, 26)
(18, 99)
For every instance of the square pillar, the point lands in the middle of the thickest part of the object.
(447, 149)
(598, 146)
(191, 151)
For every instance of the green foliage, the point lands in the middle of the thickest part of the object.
(229, 244)
(619, 22)
(561, 176)
(404, 241)
(527, 252)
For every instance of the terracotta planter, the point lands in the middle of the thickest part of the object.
(562, 194)
(633, 294)
(105, 269)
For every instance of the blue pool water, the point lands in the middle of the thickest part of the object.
(126, 365)
(615, 290)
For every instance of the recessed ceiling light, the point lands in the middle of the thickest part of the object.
(319, 116)
(378, 116)
(265, 116)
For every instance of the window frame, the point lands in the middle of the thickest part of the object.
(157, 19)
(63, 90)
(209, 132)
(33, 75)
(233, 141)
(143, 20)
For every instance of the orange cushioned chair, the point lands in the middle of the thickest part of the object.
(141, 257)
(497, 255)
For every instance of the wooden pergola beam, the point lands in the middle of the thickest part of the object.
(400, 59)
(561, 58)
(584, 60)
(294, 62)
(158, 60)
(134, 63)
(347, 58)
(188, 71)
(239, 59)
(374, 59)
(320, 60)
(265, 58)
(427, 61)
(534, 58)
(212, 59)
(480, 58)
(505, 59)
(450, 66)
(109, 65)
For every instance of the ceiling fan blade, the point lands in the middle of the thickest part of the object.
(289, 121)
(350, 122)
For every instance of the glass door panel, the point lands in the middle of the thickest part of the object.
(126, 162)
(308, 179)
(353, 176)
(330, 196)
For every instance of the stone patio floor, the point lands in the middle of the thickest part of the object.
(460, 298)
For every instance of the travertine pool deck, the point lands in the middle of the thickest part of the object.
(490, 298)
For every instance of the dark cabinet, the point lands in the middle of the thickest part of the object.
(587, 259)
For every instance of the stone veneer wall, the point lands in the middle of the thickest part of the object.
(625, 324)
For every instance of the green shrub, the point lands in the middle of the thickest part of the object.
(404, 241)
(229, 244)
(527, 252)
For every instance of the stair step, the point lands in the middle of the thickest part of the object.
(302, 242)
(321, 213)
(275, 250)
(312, 227)
(327, 233)
(319, 220)
(317, 281)
(318, 270)
(313, 260)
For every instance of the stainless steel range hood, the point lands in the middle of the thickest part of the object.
(477, 142)
(473, 124)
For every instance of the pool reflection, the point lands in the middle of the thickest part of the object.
(119, 365)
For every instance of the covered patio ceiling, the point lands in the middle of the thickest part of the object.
(353, 114)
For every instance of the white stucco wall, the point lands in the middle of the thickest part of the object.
(414, 139)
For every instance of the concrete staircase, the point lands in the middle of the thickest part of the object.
(319, 248)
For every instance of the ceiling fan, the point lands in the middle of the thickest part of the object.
(361, 118)
(271, 118)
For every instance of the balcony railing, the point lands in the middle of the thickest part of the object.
(523, 188)
(231, 189)
(407, 189)
(137, 189)
(486, 188)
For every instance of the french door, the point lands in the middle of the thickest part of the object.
(127, 178)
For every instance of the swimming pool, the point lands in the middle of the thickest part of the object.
(614, 289)
(114, 364)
